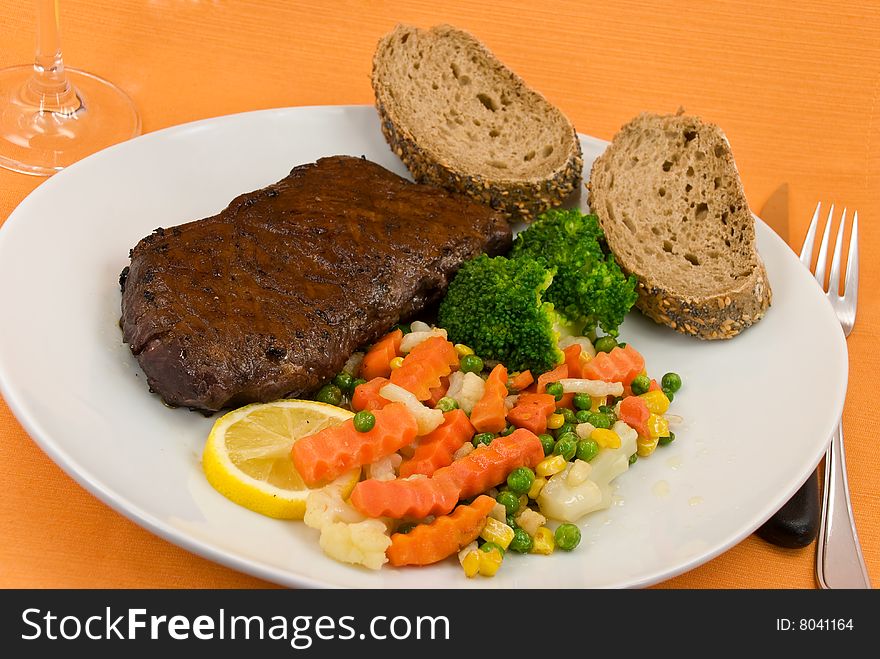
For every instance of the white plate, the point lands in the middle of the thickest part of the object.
(758, 409)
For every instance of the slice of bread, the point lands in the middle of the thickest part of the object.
(460, 119)
(671, 203)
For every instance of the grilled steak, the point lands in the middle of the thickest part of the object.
(270, 297)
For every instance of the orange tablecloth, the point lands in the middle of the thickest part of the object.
(796, 86)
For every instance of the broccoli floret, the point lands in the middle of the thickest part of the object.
(589, 288)
(494, 306)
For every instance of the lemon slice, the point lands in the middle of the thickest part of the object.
(247, 455)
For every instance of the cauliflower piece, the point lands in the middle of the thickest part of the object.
(464, 450)
(472, 389)
(530, 520)
(384, 469)
(325, 506)
(427, 419)
(510, 402)
(499, 512)
(594, 388)
(568, 499)
(363, 543)
(415, 337)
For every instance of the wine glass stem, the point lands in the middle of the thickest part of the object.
(49, 87)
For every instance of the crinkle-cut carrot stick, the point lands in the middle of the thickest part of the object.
(377, 360)
(619, 365)
(435, 449)
(473, 474)
(634, 413)
(531, 412)
(366, 396)
(489, 413)
(557, 374)
(573, 360)
(401, 498)
(423, 367)
(331, 452)
(521, 381)
(446, 535)
(489, 465)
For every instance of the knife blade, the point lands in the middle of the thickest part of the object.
(796, 523)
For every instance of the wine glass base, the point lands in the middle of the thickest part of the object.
(36, 141)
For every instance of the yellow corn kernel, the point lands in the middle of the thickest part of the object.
(597, 401)
(646, 446)
(397, 362)
(537, 485)
(605, 438)
(551, 465)
(658, 426)
(498, 532)
(461, 350)
(471, 563)
(656, 401)
(490, 561)
(555, 421)
(543, 542)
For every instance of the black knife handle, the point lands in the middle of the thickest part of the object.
(796, 524)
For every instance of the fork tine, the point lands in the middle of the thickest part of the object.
(834, 277)
(806, 255)
(851, 283)
(822, 259)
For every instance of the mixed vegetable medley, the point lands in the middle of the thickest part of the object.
(464, 457)
(497, 429)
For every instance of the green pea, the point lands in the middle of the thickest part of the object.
(587, 450)
(547, 442)
(471, 364)
(364, 421)
(520, 480)
(600, 420)
(583, 416)
(564, 428)
(447, 404)
(609, 412)
(640, 385)
(555, 390)
(566, 445)
(343, 381)
(489, 546)
(482, 438)
(671, 381)
(621, 345)
(509, 500)
(356, 383)
(667, 440)
(521, 543)
(330, 394)
(669, 394)
(582, 401)
(567, 536)
(633, 458)
(508, 430)
(567, 415)
(511, 522)
(605, 344)
(406, 527)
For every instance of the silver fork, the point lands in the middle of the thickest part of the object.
(839, 561)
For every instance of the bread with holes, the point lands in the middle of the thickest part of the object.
(460, 119)
(672, 206)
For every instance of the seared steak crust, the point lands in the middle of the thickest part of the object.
(270, 297)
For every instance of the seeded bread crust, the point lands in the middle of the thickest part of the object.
(518, 198)
(673, 288)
